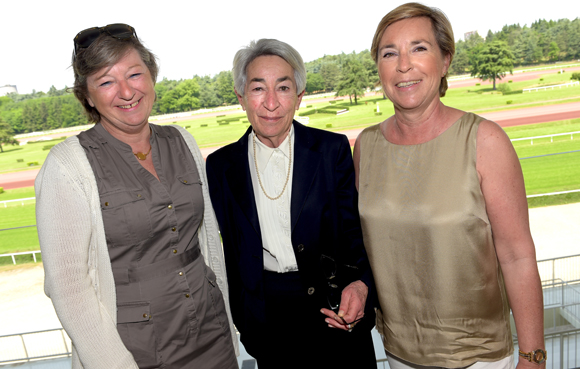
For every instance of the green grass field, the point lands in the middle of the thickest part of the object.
(208, 132)
(484, 99)
(549, 164)
(31, 155)
(13, 215)
(544, 174)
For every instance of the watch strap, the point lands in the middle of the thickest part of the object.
(537, 356)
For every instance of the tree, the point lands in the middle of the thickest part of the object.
(207, 94)
(54, 92)
(371, 68)
(330, 73)
(187, 95)
(225, 88)
(492, 61)
(314, 82)
(490, 36)
(554, 51)
(6, 135)
(474, 40)
(354, 80)
(460, 62)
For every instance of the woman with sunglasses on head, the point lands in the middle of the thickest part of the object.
(126, 226)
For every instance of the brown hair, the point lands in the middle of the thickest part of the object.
(105, 51)
(441, 29)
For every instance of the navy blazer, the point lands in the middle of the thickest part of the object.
(324, 219)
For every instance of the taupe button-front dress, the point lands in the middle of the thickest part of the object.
(170, 312)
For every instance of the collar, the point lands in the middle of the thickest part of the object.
(264, 153)
(104, 137)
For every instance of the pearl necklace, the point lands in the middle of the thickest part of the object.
(258, 171)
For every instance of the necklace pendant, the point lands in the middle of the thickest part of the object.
(139, 155)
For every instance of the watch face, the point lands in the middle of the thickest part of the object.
(539, 356)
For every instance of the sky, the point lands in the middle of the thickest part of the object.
(193, 37)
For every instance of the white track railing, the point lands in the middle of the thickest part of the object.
(17, 200)
(570, 84)
(12, 255)
(571, 134)
(25, 347)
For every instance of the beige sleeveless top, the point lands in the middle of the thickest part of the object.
(429, 241)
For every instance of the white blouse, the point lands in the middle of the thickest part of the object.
(274, 215)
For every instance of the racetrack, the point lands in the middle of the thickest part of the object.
(506, 118)
(517, 77)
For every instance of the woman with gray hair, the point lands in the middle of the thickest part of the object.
(285, 200)
(262, 47)
(130, 245)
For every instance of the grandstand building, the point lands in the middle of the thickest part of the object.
(8, 89)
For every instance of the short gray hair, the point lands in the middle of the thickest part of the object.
(263, 47)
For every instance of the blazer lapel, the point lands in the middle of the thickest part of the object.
(306, 162)
(240, 181)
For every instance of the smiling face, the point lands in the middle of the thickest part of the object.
(270, 98)
(123, 94)
(411, 64)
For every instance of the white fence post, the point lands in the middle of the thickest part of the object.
(12, 255)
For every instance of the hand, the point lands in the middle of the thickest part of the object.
(351, 309)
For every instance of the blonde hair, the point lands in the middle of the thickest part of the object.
(441, 29)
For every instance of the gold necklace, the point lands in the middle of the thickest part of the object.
(289, 167)
(142, 156)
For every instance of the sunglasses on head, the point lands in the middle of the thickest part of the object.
(119, 31)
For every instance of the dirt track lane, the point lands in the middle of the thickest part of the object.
(508, 118)
(517, 77)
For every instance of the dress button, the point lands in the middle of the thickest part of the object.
(187, 295)
(170, 207)
(106, 204)
(185, 181)
(173, 229)
(145, 315)
(300, 248)
(180, 274)
(311, 290)
(175, 251)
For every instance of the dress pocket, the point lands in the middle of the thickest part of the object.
(125, 217)
(191, 188)
(189, 178)
(217, 299)
(135, 326)
(189, 198)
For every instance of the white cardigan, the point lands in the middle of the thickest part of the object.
(78, 274)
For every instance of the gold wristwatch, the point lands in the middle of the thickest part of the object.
(538, 356)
